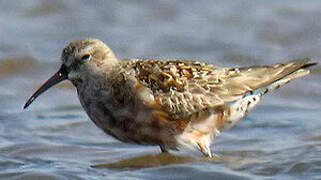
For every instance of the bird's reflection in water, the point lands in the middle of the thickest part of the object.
(162, 159)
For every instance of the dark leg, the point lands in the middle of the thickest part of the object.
(205, 150)
(163, 149)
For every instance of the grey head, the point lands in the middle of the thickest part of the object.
(79, 59)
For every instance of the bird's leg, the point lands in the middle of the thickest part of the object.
(205, 149)
(163, 149)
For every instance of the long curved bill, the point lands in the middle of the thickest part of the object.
(61, 75)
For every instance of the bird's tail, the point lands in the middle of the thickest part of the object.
(298, 68)
(283, 73)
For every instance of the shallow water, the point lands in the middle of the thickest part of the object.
(54, 139)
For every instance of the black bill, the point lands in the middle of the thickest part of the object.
(61, 75)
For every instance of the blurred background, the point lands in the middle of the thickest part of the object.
(54, 139)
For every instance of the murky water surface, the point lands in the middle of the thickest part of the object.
(54, 139)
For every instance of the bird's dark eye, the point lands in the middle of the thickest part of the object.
(85, 57)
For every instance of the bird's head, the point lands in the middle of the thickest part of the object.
(79, 58)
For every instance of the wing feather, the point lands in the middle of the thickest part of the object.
(185, 87)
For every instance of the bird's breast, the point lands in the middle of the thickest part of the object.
(120, 113)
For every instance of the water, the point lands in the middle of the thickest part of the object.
(54, 139)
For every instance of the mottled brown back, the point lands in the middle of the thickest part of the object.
(185, 87)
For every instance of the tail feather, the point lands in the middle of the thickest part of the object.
(287, 72)
(285, 80)
(265, 75)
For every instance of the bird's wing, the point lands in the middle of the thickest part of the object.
(184, 87)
